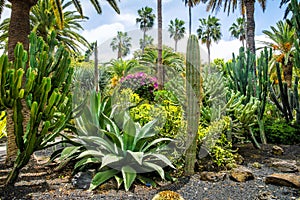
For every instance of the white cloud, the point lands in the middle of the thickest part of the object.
(103, 33)
(126, 19)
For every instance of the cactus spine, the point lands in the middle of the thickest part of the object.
(44, 93)
(193, 101)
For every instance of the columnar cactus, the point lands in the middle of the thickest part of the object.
(251, 83)
(288, 100)
(41, 86)
(193, 101)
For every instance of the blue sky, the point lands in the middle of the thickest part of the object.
(103, 27)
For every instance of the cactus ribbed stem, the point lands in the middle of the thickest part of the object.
(193, 101)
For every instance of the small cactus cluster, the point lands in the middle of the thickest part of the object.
(37, 81)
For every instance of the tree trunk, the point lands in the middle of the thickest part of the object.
(176, 45)
(96, 81)
(208, 52)
(190, 19)
(144, 38)
(160, 73)
(119, 51)
(19, 29)
(250, 25)
(288, 73)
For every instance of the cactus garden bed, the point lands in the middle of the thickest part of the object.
(40, 181)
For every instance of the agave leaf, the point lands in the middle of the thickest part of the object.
(155, 167)
(69, 151)
(137, 156)
(94, 153)
(109, 159)
(117, 139)
(104, 144)
(145, 132)
(129, 135)
(154, 142)
(85, 161)
(129, 175)
(101, 177)
(161, 157)
(110, 125)
(119, 181)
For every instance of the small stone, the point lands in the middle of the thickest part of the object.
(290, 180)
(241, 174)
(277, 150)
(167, 195)
(212, 176)
(288, 166)
(82, 180)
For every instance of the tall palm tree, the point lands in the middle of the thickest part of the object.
(191, 4)
(148, 41)
(177, 30)
(146, 21)
(42, 22)
(283, 39)
(121, 43)
(248, 5)
(209, 31)
(19, 29)
(160, 69)
(238, 31)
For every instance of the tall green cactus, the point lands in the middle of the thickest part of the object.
(40, 85)
(250, 83)
(193, 101)
(286, 99)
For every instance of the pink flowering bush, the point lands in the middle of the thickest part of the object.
(141, 84)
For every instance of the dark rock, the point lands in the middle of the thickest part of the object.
(241, 174)
(277, 150)
(82, 180)
(290, 180)
(285, 166)
(212, 176)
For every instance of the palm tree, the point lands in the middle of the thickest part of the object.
(177, 30)
(42, 22)
(148, 41)
(169, 58)
(146, 21)
(209, 31)
(190, 4)
(160, 69)
(283, 39)
(19, 29)
(248, 5)
(238, 31)
(121, 43)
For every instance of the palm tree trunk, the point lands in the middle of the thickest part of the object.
(96, 80)
(176, 45)
(208, 52)
(250, 25)
(119, 51)
(19, 29)
(160, 72)
(190, 18)
(144, 42)
(288, 73)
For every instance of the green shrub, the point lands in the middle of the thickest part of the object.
(214, 139)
